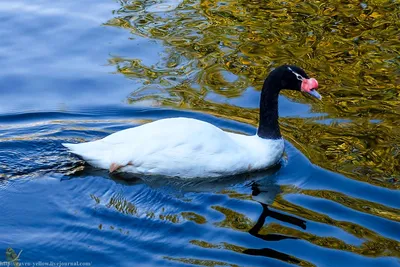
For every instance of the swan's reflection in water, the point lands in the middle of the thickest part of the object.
(265, 194)
(262, 187)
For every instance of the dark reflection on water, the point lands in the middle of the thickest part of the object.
(262, 194)
(61, 82)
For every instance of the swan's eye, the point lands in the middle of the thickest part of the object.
(298, 76)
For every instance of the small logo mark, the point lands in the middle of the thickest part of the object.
(11, 256)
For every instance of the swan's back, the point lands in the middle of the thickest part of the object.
(171, 147)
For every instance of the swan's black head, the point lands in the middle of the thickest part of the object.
(293, 78)
(283, 77)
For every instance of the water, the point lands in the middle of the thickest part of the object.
(75, 71)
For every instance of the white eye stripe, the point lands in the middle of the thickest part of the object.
(298, 76)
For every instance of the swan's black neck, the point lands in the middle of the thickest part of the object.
(268, 127)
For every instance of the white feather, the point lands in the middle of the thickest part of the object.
(180, 147)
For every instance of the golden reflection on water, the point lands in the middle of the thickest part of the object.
(224, 47)
(201, 262)
(374, 245)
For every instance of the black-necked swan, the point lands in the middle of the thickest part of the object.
(189, 148)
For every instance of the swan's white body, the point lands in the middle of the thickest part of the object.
(180, 147)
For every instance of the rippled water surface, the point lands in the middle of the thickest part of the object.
(76, 71)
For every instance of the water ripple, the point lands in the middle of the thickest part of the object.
(76, 72)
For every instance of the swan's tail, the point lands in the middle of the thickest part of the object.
(95, 153)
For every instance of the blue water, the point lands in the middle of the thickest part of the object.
(57, 85)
